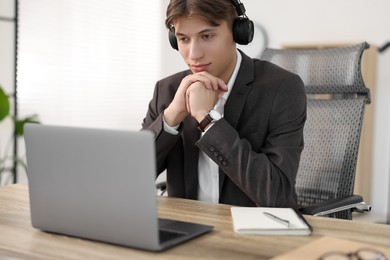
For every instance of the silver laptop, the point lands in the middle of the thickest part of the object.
(100, 185)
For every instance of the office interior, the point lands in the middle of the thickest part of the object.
(115, 94)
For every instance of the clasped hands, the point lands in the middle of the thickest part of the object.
(196, 95)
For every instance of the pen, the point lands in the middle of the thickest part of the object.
(278, 219)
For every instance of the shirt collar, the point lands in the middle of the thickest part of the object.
(233, 76)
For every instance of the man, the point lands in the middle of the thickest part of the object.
(251, 114)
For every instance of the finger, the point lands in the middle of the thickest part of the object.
(206, 80)
(215, 82)
(188, 100)
(210, 81)
(222, 85)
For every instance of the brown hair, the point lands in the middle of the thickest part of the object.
(214, 11)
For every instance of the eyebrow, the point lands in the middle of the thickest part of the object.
(207, 30)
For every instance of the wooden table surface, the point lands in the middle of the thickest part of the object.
(19, 240)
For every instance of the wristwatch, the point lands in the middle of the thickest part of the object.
(211, 117)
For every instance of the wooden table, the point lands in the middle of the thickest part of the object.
(18, 239)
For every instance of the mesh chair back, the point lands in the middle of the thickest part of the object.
(335, 107)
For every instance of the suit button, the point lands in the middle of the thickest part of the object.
(215, 153)
(221, 157)
(224, 163)
(211, 148)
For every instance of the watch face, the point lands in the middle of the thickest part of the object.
(215, 115)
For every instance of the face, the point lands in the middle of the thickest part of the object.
(205, 47)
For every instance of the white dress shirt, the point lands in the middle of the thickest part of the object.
(208, 176)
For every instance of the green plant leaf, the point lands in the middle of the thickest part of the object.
(19, 123)
(4, 104)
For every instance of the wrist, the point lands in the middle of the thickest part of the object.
(173, 118)
(201, 115)
(209, 118)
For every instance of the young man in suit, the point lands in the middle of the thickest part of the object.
(229, 129)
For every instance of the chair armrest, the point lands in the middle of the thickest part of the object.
(161, 185)
(161, 188)
(354, 203)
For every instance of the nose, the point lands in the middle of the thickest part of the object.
(195, 50)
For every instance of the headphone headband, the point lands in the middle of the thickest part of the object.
(240, 8)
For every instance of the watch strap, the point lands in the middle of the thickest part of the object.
(205, 122)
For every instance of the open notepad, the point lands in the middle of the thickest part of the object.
(268, 221)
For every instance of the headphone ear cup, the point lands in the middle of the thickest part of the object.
(243, 30)
(173, 40)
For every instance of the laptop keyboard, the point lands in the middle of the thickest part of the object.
(166, 235)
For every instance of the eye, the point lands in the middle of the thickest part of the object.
(182, 39)
(207, 36)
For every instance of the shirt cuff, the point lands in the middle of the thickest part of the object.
(170, 129)
(208, 127)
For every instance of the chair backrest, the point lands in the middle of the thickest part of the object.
(336, 99)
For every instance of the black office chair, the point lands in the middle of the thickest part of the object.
(336, 100)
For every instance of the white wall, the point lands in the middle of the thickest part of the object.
(330, 21)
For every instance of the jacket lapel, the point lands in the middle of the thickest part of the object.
(236, 100)
(237, 97)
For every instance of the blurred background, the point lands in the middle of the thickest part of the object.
(95, 64)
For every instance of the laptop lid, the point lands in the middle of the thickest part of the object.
(96, 184)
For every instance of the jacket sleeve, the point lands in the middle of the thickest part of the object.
(263, 167)
(153, 121)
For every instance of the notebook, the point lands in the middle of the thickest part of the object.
(100, 185)
(268, 221)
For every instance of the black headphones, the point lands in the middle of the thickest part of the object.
(243, 28)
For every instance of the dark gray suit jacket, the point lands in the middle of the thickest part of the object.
(257, 144)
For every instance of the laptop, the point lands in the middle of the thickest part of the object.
(99, 184)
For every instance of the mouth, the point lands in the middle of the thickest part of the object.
(199, 67)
